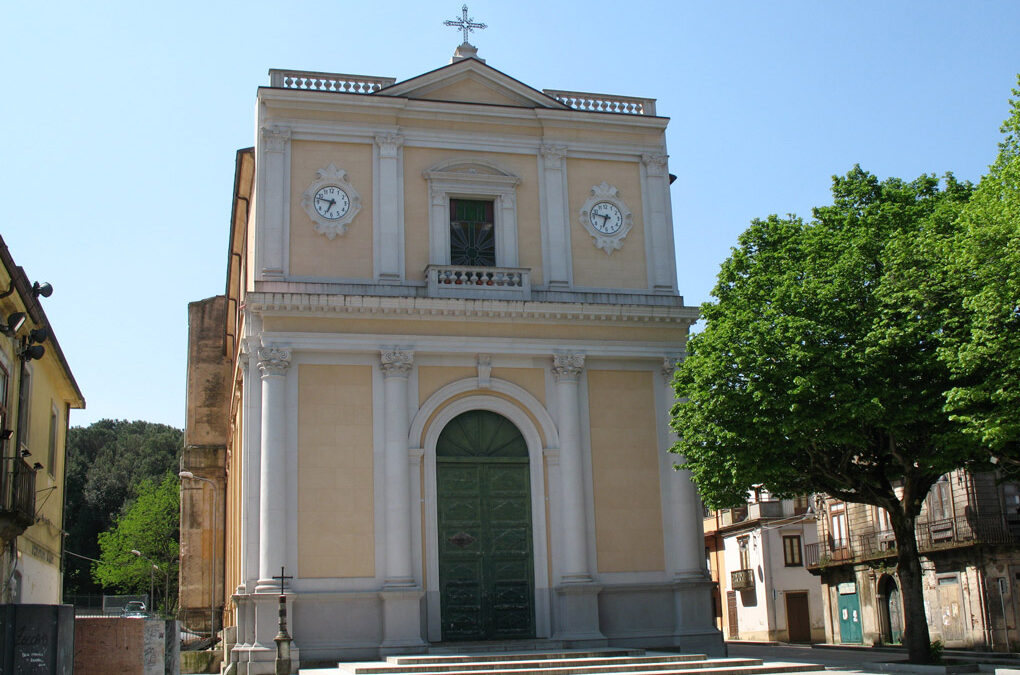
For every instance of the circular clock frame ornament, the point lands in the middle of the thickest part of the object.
(606, 218)
(331, 201)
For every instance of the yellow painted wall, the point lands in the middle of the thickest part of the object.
(416, 206)
(626, 267)
(346, 256)
(673, 335)
(335, 479)
(469, 90)
(625, 471)
(532, 380)
(433, 378)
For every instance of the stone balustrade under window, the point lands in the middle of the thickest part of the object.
(462, 281)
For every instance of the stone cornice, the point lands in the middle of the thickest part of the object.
(449, 308)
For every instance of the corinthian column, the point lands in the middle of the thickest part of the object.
(396, 366)
(567, 373)
(273, 362)
(689, 542)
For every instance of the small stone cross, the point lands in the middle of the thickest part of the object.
(464, 23)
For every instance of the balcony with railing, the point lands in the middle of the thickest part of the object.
(17, 497)
(464, 281)
(934, 535)
(742, 580)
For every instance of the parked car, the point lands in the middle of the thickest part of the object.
(134, 609)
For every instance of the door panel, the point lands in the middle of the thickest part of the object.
(850, 631)
(798, 621)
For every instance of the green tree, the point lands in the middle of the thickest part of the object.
(105, 462)
(819, 370)
(151, 526)
(986, 262)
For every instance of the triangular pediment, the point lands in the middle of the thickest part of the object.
(471, 81)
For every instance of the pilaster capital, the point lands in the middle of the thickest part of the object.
(567, 367)
(553, 154)
(273, 361)
(389, 143)
(437, 197)
(396, 363)
(655, 164)
(275, 138)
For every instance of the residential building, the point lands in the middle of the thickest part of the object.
(967, 534)
(756, 555)
(37, 392)
(433, 401)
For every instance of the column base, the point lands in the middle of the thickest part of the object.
(401, 605)
(577, 613)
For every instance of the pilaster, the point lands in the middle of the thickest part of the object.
(658, 224)
(274, 202)
(389, 199)
(555, 216)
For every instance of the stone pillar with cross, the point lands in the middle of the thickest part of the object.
(282, 638)
(466, 24)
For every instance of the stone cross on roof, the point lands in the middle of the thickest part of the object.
(464, 23)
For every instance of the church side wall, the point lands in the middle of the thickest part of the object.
(348, 256)
(625, 268)
(625, 472)
(335, 472)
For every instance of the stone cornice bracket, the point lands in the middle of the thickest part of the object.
(275, 138)
(274, 361)
(553, 154)
(567, 367)
(655, 164)
(396, 363)
(389, 143)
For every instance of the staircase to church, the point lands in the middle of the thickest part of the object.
(571, 662)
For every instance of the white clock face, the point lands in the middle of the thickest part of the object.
(331, 202)
(606, 218)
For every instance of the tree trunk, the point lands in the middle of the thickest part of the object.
(915, 622)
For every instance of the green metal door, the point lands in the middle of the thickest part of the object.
(850, 619)
(486, 575)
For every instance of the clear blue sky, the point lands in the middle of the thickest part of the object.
(121, 119)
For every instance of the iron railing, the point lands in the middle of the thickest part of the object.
(932, 535)
(17, 496)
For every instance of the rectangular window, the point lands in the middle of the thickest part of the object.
(791, 551)
(51, 453)
(745, 554)
(472, 233)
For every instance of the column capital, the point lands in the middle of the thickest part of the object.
(567, 367)
(389, 143)
(655, 163)
(553, 154)
(396, 363)
(275, 138)
(273, 361)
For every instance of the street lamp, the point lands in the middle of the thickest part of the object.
(154, 567)
(212, 560)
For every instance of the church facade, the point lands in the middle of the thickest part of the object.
(436, 390)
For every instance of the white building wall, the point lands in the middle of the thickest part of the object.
(40, 583)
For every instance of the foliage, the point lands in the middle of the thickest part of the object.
(986, 262)
(936, 648)
(819, 369)
(105, 463)
(150, 525)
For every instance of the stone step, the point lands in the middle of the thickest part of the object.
(707, 667)
(513, 656)
(549, 663)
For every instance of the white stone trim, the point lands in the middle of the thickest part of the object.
(388, 206)
(517, 415)
(604, 192)
(272, 210)
(331, 175)
(472, 179)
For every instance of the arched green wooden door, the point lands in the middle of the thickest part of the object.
(486, 571)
